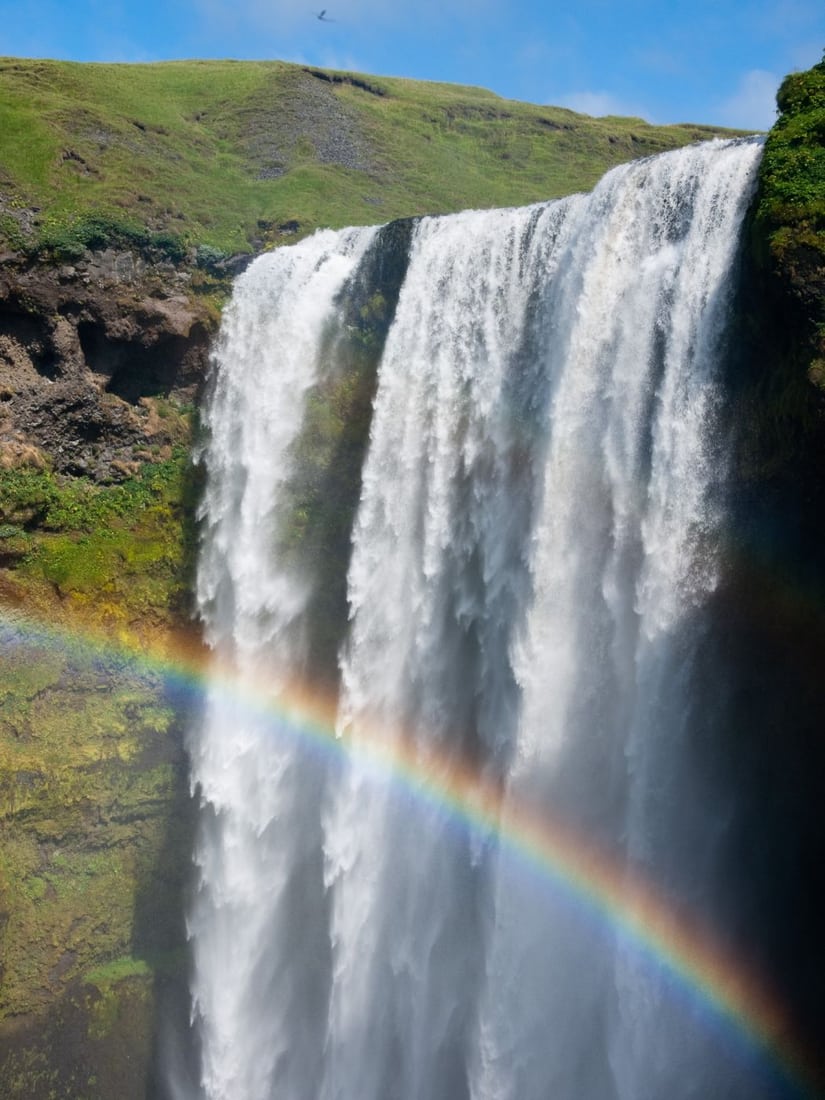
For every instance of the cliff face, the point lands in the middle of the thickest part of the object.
(789, 216)
(85, 348)
(772, 606)
(101, 362)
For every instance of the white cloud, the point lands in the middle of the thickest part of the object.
(753, 105)
(600, 103)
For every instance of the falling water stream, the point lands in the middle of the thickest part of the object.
(534, 555)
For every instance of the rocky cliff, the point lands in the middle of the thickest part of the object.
(773, 604)
(86, 349)
(101, 363)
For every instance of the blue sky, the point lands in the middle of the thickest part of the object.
(701, 61)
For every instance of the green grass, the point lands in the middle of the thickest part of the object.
(122, 551)
(173, 154)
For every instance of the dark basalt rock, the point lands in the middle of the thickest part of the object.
(82, 344)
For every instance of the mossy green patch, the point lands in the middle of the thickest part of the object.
(87, 779)
(782, 418)
(124, 967)
(94, 811)
(93, 1044)
(120, 553)
(105, 1010)
(70, 237)
(790, 211)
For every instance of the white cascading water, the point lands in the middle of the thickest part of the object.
(535, 546)
(435, 586)
(625, 559)
(254, 996)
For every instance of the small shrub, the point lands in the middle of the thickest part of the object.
(94, 232)
(208, 258)
(26, 495)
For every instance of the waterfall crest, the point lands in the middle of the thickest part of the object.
(534, 553)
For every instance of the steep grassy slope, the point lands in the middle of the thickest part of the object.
(233, 155)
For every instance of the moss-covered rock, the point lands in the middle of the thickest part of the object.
(96, 831)
(93, 1044)
(95, 817)
(771, 605)
(789, 216)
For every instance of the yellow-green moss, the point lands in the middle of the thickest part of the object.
(118, 553)
(95, 818)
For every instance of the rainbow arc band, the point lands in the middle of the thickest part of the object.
(730, 994)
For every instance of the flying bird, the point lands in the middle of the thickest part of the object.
(322, 15)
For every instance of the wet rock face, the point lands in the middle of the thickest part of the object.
(81, 348)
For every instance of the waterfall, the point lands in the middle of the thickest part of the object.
(533, 560)
(258, 1005)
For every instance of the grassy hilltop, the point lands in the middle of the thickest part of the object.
(237, 155)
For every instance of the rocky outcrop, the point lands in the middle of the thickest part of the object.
(100, 361)
(788, 234)
(84, 348)
(774, 630)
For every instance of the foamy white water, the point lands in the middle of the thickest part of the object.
(626, 558)
(257, 922)
(536, 544)
(436, 584)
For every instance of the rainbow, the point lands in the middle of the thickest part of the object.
(708, 973)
